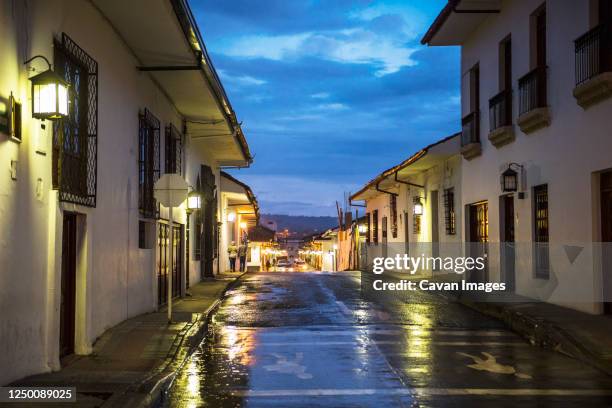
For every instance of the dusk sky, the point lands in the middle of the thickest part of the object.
(330, 93)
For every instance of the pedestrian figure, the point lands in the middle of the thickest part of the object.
(232, 253)
(242, 254)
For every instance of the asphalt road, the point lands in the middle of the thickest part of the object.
(311, 340)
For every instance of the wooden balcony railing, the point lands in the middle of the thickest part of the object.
(533, 90)
(500, 110)
(470, 129)
(593, 53)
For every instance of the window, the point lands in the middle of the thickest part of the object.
(416, 227)
(75, 138)
(375, 228)
(174, 150)
(148, 163)
(449, 211)
(471, 122)
(505, 64)
(393, 205)
(541, 231)
(369, 222)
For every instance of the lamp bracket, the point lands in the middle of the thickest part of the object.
(38, 56)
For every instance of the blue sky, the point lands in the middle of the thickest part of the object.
(330, 92)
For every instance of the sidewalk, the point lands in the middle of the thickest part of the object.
(580, 335)
(583, 336)
(133, 361)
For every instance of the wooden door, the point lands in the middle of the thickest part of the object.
(68, 285)
(479, 237)
(508, 246)
(384, 237)
(435, 227)
(606, 238)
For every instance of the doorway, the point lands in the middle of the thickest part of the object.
(406, 233)
(384, 237)
(507, 242)
(435, 229)
(68, 285)
(169, 245)
(479, 238)
(606, 238)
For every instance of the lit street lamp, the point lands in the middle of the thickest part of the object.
(49, 94)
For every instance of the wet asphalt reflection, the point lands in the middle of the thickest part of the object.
(310, 340)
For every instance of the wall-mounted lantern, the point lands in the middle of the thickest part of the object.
(363, 228)
(510, 178)
(231, 217)
(243, 225)
(49, 94)
(194, 201)
(418, 206)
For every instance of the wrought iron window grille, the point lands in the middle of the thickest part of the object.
(75, 138)
(148, 163)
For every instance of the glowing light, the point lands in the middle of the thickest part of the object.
(231, 217)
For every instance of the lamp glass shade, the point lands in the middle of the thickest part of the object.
(418, 208)
(231, 217)
(193, 201)
(509, 181)
(363, 229)
(49, 96)
(243, 225)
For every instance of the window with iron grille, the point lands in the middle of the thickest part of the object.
(541, 225)
(375, 228)
(449, 211)
(369, 222)
(75, 138)
(148, 163)
(174, 150)
(393, 205)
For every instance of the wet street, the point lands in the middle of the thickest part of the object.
(309, 339)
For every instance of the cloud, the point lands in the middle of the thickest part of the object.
(299, 190)
(332, 106)
(240, 79)
(387, 54)
(320, 95)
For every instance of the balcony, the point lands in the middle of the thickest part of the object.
(470, 136)
(593, 66)
(501, 130)
(533, 105)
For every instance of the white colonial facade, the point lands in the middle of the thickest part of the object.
(84, 243)
(416, 202)
(535, 93)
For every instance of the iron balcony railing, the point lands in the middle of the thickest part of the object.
(470, 129)
(593, 53)
(500, 110)
(533, 90)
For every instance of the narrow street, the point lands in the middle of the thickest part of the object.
(309, 339)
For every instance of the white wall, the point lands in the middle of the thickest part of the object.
(115, 279)
(565, 155)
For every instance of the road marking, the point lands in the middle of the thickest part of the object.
(284, 365)
(510, 392)
(490, 364)
(408, 333)
(394, 342)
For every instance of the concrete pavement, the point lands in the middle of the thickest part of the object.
(580, 335)
(133, 362)
(311, 339)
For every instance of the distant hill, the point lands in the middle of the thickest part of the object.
(301, 225)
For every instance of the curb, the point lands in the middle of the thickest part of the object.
(152, 391)
(542, 333)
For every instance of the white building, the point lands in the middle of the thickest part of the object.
(536, 93)
(240, 212)
(83, 239)
(416, 201)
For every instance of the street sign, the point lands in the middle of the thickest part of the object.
(171, 190)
